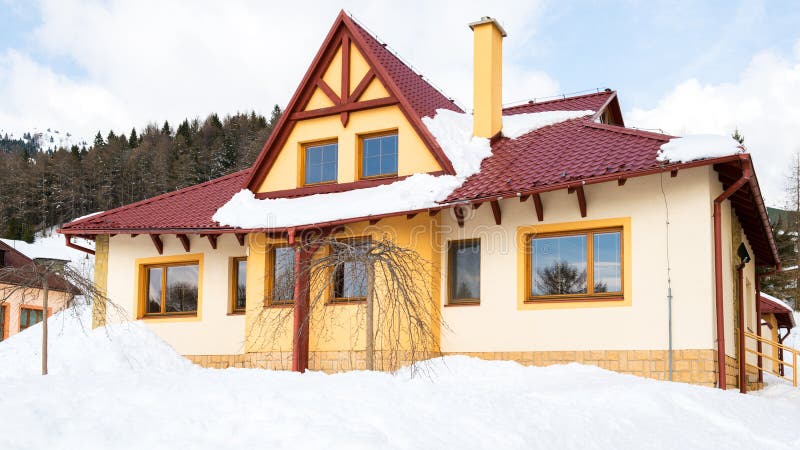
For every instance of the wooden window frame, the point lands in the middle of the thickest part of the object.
(234, 285)
(270, 301)
(452, 245)
(145, 284)
(590, 295)
(305, 146)
(360, 158)
(30, 308)
(332, 300)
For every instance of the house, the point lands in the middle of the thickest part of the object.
(555, 233)
(21, 300)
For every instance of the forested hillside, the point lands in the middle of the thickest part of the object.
(41, 188)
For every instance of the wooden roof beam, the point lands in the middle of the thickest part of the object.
(157, 242)
(496, 211)
(537, 205)
(184, 241)
(581, 197)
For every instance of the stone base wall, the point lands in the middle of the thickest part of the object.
(689, 366)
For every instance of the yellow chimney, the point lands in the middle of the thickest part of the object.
(487, 77)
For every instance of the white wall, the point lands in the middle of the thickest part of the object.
(499, 325)
(214, 331)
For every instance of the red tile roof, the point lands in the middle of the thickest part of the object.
(594, 102)
(771, 305)
(423, 98)
(189, 208)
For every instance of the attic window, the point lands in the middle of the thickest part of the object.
(378, 155)
(320, 163)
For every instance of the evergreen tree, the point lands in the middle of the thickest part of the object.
(133, 140)
(166, 130)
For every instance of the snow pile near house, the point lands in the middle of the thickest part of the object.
(465, 403)
(700, 146)
(453, 132)
(517, 125)
(76, 349)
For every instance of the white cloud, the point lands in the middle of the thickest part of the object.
(146, 60)
(764, 103)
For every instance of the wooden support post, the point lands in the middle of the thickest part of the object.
(411, 216)
(523, 198)
(621, 181)
(537, 204)
(673, 173)
(184, 241)
(433, 212)
(157, 242)
(302, 300)
(374, 221)
(240, 238)
(496, 211)
(476, 205)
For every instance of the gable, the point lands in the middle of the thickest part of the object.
(348, 92)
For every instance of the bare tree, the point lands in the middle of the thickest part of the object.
(398, 316)
(34, 278)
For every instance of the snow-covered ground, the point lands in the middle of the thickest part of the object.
(123, 388)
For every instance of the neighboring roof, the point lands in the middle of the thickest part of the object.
(186, 209)
(598, 102)
(16, 260)
(783, 313)
(415, 96)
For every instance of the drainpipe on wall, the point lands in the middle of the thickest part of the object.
(747, 173)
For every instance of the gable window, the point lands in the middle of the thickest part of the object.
(583, 265)
(464, 263)
(350, 275)
(29, 317)
(281, 280)
(171, 289)
(239, 285)
(321, 163)
(379, 155)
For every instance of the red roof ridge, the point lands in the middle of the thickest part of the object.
(629, 131)
(560, 99)
(156, 198)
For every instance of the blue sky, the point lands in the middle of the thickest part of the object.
(680, 66)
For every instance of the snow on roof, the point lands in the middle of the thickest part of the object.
(453, 132)
(518, 125)
(776, 300)
(699, 146)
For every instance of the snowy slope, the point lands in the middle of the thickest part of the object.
(47, 139)
(96, 399)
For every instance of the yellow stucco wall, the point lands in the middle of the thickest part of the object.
(214, 330)
(334, 327)
(499, 324)
(413, 156)
(13, 298)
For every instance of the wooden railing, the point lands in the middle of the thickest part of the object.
(785, 350)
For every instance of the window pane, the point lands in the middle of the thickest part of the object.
(154, 290)
(607, 262)
(182, 289)
(379, 156)
(351, 275)
(23, 319)
(283, 275)
(465, 273)
(241, 284)
(321, 163)
(558, 265)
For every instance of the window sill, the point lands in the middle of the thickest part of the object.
(457, 304)
(170, 316)
(615, 298)
(237, 313)
(279, 305)
(345, 301)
